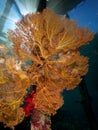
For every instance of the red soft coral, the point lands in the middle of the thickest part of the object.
(28, 104)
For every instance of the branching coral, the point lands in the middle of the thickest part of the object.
(13, 85)
(51, 43)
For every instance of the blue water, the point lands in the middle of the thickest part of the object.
(86, 13)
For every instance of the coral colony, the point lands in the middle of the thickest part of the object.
(45, 55)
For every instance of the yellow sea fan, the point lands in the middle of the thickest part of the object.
(11, 96)
(51, 42)
(13, 86)
(48, 101)
(3, 78)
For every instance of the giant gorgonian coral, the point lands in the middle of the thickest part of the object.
(13, 85)
(51, 43)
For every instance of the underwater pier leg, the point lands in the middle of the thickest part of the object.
(86, 103)
(42, 5)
